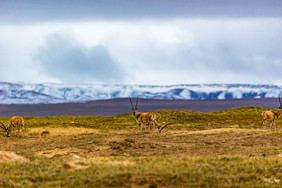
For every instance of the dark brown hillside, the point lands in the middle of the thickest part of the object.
(121, 106)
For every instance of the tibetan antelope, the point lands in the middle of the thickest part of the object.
(14, 123)
(144, 118)
(271, 115)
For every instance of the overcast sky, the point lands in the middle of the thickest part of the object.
(151, 42)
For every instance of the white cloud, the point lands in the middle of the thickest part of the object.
(70, 61)
(146, 52)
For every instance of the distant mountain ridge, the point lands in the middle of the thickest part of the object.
(18, 93)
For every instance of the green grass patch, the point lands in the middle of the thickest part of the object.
(222, 171)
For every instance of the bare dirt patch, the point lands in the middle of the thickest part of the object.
(66, 131)
(220, 130)
(11, 156)
(73, 165)
(106, 161)
(60, 152)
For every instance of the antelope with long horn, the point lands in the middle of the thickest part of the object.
(14, 123)
(144, 118)
(271, 115)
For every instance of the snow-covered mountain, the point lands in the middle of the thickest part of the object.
(12, 93)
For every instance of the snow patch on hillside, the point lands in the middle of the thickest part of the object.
(15, 93)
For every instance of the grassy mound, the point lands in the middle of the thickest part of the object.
(229, 148)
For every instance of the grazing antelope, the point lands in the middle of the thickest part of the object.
(143, 118)
(271, 115)
(14, 123)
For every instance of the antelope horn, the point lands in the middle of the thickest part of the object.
(280, 101)
(136, 102)
(131, 102)
(160, 129)
(3, 126)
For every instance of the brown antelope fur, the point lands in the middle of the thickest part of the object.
(144, 118)
(271, 115)
(15, 123)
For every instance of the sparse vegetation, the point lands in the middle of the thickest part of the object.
(217, 149)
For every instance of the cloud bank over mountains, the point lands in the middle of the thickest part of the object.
(141, 42)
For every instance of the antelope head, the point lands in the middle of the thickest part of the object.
(134, 109)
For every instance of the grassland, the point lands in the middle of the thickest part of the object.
(216, 149)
